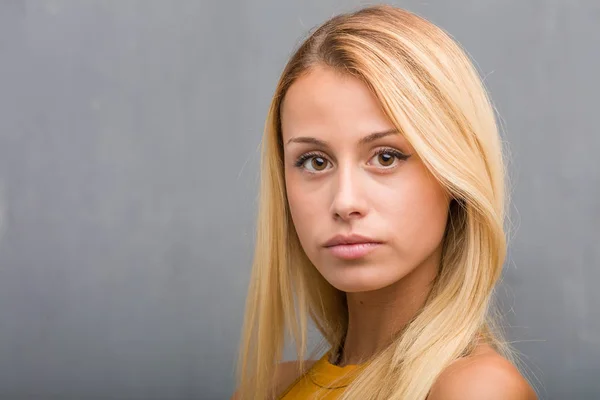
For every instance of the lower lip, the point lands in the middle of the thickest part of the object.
(353, 251)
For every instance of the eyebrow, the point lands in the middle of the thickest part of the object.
(367, 139)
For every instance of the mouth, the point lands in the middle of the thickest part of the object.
(351, 247)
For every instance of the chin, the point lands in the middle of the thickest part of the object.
(353, 279)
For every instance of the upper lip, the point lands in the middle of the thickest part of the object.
(349, 239)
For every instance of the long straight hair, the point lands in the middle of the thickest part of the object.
(430, 91)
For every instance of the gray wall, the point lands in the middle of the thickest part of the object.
(128, 170)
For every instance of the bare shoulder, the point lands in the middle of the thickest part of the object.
(485, 375)
(285, 374)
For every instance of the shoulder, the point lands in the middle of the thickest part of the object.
(285, 374)
(485, 375)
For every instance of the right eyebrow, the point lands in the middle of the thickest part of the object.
(309, 140)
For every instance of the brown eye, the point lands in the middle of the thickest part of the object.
(313, 163)
(318, 163)
(386, 159)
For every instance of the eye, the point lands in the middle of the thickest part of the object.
(387, 158)
(312, 162)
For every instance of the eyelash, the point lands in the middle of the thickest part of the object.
(307, 156)
(398, 154)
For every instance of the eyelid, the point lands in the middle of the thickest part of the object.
(310, 154)
(399, 154)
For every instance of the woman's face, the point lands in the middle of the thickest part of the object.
(365, 208)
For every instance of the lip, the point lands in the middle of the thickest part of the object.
(349, 239)
(351, 247)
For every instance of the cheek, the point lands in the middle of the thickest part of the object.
(417, 209)
(304, 208)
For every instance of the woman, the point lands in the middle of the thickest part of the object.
(381, 218)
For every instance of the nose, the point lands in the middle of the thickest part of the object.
(349, 201)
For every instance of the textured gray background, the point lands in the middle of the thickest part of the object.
(128, 169)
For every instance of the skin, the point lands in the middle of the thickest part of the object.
(347, 188)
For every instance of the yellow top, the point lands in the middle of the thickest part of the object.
(323, 378)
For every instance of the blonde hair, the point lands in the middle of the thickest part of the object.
(431, 92)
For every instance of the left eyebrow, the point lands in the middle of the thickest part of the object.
(367, 139)
(377, 135)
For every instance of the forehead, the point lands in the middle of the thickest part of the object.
(326, 102)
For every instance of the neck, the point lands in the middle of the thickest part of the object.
(375, 317)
